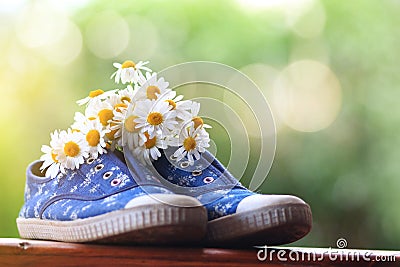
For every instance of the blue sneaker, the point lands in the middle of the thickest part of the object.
(237, 216)
(102, 202)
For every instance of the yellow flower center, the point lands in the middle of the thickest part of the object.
(93, 138)
(151, 92)
(197, 122)
(125, 98)
(189, 143)
(71, 149)
(128, 64)
(151, 142)
(95, 93)
(105, 115)
(120, 106)
(91, 118)
(54, 157)
(111, 135)
(130, 124)
(171, 103)
(155, 118)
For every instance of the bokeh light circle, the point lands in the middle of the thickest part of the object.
(308, 96)
(107, 34)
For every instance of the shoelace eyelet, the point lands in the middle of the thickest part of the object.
(208, 180)
(99, 167)
(107, 175)
(90, 160)
(184, 164)
(197, 172)
(115, 182)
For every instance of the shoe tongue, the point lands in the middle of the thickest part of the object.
(206, 174)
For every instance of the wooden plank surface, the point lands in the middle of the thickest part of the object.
(19, 252)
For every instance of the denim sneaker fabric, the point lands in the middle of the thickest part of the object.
(237, 216)
(102, 202)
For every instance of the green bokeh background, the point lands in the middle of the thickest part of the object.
(53, 53)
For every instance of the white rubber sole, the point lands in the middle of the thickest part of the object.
(270, 225)
(146, 224)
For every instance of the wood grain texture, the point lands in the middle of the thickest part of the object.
(19, 252)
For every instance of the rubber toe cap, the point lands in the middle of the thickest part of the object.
(169, 199)
(258, 201)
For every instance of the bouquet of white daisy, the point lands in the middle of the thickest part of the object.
(144, 117)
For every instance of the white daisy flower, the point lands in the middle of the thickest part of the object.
(129, 72)
(193, 141)
(107, 111)
(194, 116)
(115, 102)
(155, 117)
(94, 134)
(73, 150)
(50, 161)
(125, 124)
(181, 108)
(126, 95)
(151, 88)
(111, 136)
(94, 96)
(148, 149)
(101, 110)
(80, 121)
